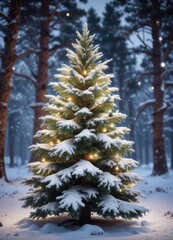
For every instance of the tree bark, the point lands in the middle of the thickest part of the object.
(8, 60)
(85, 215)
(160, 164)
(42, 80)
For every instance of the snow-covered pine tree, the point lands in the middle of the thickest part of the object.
(83, 169)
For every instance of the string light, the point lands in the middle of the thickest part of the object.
(51, 144)
(43, 160)
(132, 184)
(39, 188)
(116, 168)
(112, 125)
(104, 130)
(95, 155)
(85, 72)
(58, 141)
(91, 156)
(68, 14)
(120, 190)
(157, 22)
(69, 99)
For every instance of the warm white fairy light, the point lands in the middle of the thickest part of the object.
(132, 184)
(85, 72)
(43, 160)
(112, 125)
(58, 141)
(116, 168)
(95, 155)
(51, 144)
(120, 190)
(68, 14)
(139, 83)
(104, 130)
(91, 156)
(69, 99)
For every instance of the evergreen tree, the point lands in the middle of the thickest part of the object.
(84, 167)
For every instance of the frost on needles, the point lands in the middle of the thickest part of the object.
(83, 166)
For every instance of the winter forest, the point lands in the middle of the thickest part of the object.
(86, 119)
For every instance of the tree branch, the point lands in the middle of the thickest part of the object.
(144, 43)
(54, 11)
(59, 46)
(167, 71)
(142, 75)
(33, 80)
(24, 54)
(142, 107)
(6, 18)
(169, 47)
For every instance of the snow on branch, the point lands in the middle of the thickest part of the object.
(142, 107)
(63, 149)
(30, 78)
(108, 180)
(71, 198)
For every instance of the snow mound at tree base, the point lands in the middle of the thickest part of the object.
(91, 229)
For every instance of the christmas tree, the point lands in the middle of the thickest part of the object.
(84, 167)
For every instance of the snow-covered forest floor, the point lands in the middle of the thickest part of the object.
(157, 224)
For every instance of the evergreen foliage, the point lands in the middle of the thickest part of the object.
(84, 167)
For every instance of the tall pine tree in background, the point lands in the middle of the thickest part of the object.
(84, 169)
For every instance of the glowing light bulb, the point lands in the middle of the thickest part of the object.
(58, 141)
(85, 72)
(160, 39)
(139, 83)
(104, 130)
(39, 188)
(116, 168)
(51, 144)
(133, 184)
(112, 125)
(157, 22)
(120, 190)
(91, 156)
(68, 14)
(69, 99)
(43, 160)
(95, 155)
(162, 64)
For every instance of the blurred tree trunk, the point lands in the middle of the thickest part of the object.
(160, 164)
(8, 60)
(42, 79)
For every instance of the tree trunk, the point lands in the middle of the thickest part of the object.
(42, 80)
(160, 164)
(85, 215)
(8, 60)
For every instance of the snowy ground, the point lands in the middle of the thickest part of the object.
(157, 224)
